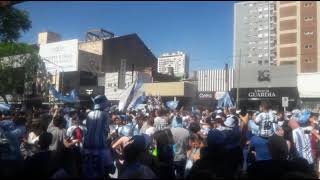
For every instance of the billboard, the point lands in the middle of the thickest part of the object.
(60, 56)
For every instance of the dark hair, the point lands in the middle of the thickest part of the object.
(45, 140)
(58, 121)
(265, 105)
(194, 127)
(20, 121)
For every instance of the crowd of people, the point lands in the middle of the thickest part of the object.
(158, 142)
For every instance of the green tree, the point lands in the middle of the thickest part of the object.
(12, 22)
(20, 63)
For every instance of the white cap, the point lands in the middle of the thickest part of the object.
(219, 111)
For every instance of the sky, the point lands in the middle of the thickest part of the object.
(204, 30)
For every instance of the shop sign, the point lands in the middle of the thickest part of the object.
(262, 93)
(206, 95)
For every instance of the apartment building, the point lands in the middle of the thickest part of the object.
(254, 33)
(177, 62)
(298, 32)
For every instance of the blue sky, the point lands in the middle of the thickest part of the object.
(204, 30)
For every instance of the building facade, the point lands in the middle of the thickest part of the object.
(254, 33)
(298, 35)
(178, 62)
(113, 81)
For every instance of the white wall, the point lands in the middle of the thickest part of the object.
(111, 83)
(309, 85)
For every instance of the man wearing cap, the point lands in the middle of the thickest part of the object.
(97, 155)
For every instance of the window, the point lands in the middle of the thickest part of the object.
(260, 62)
(308, 60)
(249, 62)
(308, 4)
(308, 18)
(308, 46)
(266, 54)
(266, 62)
(308, 33)
(260, 55)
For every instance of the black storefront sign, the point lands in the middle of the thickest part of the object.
(262, 93)
(266, 93)
(251, 97)
(206, 95)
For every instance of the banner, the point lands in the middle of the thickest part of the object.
(125, 97)
(225, 101)
(172, 104)
(71, 98)
(60, 56)
(138, 95)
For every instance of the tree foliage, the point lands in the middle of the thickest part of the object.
(20, 68)
(12, 22)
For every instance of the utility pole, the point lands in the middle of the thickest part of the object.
(238, 102)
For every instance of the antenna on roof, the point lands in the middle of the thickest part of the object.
(98, 34)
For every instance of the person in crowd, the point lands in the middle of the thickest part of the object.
(76, 132)
(96, 154)
(164, 153)
(133, 168)
(193, 154)
(266, 120)
(14, 130)
(212, 164)
(40, 164)
(279, 166)
(160, 121)
(232, 145)
(181, 141)
(301, 141)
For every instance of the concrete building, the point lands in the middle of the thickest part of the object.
(254, 33)
(299, 43)
(212, 84)
(257, 84)
(298, 35)
(178, 61)
(48, 37)
(112, 80)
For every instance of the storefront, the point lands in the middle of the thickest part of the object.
(250, 98)
(206, 99)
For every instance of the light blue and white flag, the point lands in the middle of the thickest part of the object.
(71, 98)
(138, 95)
(172, 104)
(225, 101)
(4, 107)
(125, 97)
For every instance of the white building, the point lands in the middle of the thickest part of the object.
(254, 33)
(215, 80)
(179, 61)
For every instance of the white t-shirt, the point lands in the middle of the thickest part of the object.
(160, 123)
(266, 121)
(150, 131)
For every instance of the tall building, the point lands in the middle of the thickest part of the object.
(298, 35)
(254, 33)
(179, 61)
